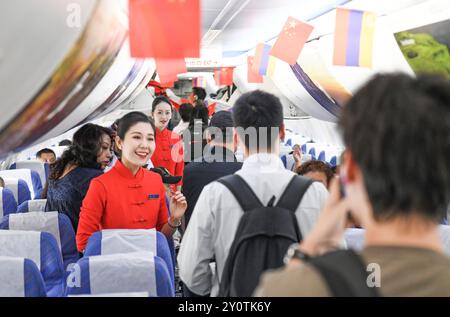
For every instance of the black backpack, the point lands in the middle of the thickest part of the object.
(345, 274)
(263, 235)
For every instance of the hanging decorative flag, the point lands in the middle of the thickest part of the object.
(261, 60)
(252, 77)
(168, 69)
(353, 38)
(199, 82)
(271, 66)
(291, 40)
(164, 28)
(224, 76)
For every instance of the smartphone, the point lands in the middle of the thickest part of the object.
(342, 191)
(342, 194)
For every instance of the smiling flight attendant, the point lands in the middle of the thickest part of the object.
(129, 196)
(169, 150)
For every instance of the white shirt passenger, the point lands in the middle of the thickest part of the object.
(216, 216)
(181, 126)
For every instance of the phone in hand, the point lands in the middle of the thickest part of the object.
(343, 194)
(342, 191)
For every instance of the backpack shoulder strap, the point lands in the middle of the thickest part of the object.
(241, 191)
(294, 192)
(345, 274)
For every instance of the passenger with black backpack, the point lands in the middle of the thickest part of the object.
(396, 194)
(246, 221)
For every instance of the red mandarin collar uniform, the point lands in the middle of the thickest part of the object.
(168, 142)
(120, 200)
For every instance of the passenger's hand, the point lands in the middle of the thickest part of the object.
(297, 155)
(178, 205)
(329, 229)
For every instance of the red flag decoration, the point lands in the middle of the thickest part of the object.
(291, 40)
(164, 28)
(252, 77)
(224, 76)
(168, 69)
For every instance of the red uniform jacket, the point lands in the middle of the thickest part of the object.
(119, 200)
(169, 152)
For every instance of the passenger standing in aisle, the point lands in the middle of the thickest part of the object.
(398, 196)
(219, 161)
(216, 216)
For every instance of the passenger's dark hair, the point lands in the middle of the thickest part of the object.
(186, 111)
(129, 120)
(45, 151)
(65, 142)
(199, 92)
(2, 182)
(316, 166)
(87, 142)
(158, 100)
(398, 131)
(258, 109)
(200, 112)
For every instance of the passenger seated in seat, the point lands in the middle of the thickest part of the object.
(130, 196)
(399, 197)
(316, 170)
(71, 174)
(65, 142)
(46, 156)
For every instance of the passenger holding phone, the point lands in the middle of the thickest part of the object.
(397, 196)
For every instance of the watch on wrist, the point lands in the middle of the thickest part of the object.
(293, 252)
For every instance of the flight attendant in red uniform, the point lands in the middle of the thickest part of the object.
(130, 196)
(169, 147)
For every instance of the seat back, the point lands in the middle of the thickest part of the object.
(19, 188)
(39, 167)
(114, 241)
(42, 249)
(54, 223)
(20, 277)
(30, 177)
(32, 205)
(8, 204)
(130, 272)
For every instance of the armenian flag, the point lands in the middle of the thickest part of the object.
(353, 37)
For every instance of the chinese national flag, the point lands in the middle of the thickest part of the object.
(164, 28)
(224, 76)
(291, 40)
(252, 76)
(168, 69)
